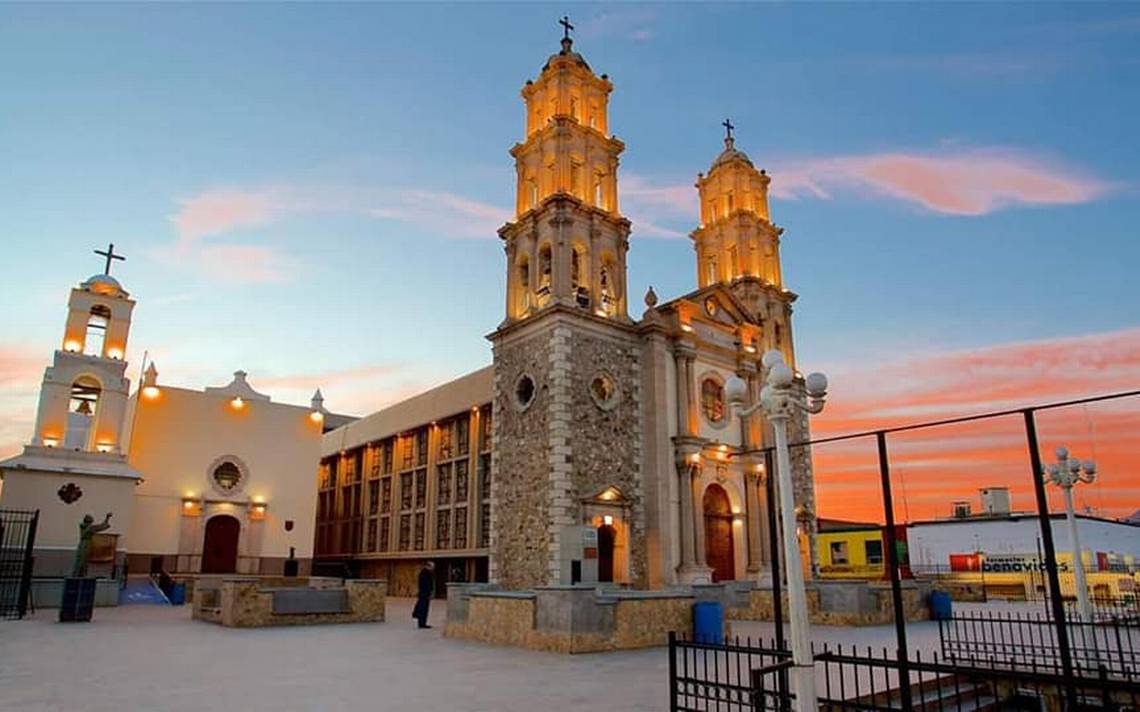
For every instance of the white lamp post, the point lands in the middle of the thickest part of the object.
(779, 401)
(1066, 473)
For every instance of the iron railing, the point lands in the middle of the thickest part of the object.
(17, 538)
(740, 674)
(1104, 647)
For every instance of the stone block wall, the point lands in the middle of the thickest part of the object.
(247, 602)
(840, 603)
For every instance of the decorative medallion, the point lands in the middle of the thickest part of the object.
(70, 493)
(711, 306)
(604, 391)
(288, 525)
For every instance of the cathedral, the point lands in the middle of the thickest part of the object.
(598, 446)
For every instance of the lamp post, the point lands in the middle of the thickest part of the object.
(1066, 473)
(779, 401)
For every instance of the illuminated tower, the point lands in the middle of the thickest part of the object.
(567, 386)
(738, 245)
(83, 398)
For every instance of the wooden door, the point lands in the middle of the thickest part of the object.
(220, 550)
(606, 537)
(719, 554)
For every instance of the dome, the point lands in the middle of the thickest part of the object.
(104, 284)
(731, 153)
(566, 53)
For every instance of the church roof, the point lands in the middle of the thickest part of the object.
(45, 459)
(566, 53)
(104, 284)
(731, 153)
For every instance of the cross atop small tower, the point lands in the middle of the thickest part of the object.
(110, 255)
(728, 127)
(566, 27)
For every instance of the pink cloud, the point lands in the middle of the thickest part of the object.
(21, 371)
(221, 210)
(974, 182)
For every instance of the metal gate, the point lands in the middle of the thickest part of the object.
(17, 537)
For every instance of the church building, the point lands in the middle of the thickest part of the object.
(197, 481)
(598, 446)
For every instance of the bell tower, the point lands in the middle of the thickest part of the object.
(738, 245)
(566, 418)
(568, 242)
(83, 398)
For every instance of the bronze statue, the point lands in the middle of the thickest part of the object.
(87, 529)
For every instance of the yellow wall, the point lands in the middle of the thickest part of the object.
(857, 565)
(177, 436)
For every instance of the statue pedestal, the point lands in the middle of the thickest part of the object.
(78, 600)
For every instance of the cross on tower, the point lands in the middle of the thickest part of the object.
(566, 26)
(110, 255)
(728, 127)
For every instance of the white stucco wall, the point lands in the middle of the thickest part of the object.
(176, 437)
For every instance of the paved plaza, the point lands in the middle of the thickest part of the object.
(157, 658)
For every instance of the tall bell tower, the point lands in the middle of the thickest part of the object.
(566, 424)
(738, 245)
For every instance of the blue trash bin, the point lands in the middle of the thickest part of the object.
(708, 622)
(940, 605)
(178, 594)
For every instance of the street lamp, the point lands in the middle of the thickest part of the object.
(779, 402)
(1065, 473)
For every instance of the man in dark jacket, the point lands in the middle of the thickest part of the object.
(424, 593)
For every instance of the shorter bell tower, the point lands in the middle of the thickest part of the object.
(83, 398)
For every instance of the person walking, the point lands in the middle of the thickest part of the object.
(424, 593)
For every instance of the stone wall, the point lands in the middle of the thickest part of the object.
(247, 602)
(839, 603)
(567, 619)
(521, 465)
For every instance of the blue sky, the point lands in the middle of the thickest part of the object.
(310, 191)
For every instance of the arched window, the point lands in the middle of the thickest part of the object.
(581, 291)
(81, 412)
(96, 330)
(576, 180)
(710, 271)
(544, 268)
(606, 288)
(523, 268)
(599, 197)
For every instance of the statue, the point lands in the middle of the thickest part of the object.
(87, 529)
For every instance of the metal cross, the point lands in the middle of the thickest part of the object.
(110, 255)
(728, 127)
(566, 27)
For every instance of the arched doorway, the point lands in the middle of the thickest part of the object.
(719, 554)
(606, 537)
(220, 550)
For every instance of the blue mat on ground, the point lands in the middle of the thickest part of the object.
(142, 591)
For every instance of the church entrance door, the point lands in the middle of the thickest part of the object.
(719, 553)
(220, 550)
(606, 536)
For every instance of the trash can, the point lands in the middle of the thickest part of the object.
(940, 606)
(178, 594)
(708, 622)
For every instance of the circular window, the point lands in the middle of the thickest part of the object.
(227, 474)
(712, 399)
(524, 391)
(604, 391)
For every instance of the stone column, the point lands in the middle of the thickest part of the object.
(752, 515)
(685, 482)
(699, 519)
(682, 354)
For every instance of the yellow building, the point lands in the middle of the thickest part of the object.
(850, 550)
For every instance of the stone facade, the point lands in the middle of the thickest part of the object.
(844, 604)
(248, 602)
(568, 619)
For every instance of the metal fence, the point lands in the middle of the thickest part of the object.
(742, 675)
(17, 537)
(736, 675)
(1104, 647)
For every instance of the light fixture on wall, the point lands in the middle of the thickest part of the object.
(104, 447)
(71, 345)
(116, 354)
(191, 506)
(51, 442)
(257, 510)
(150, 392)
(237, 403)
(316, 416)
(608, 520)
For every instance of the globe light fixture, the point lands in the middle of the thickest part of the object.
(779, 400)
(1066, 473)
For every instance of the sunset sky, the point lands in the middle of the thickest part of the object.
(311, 192)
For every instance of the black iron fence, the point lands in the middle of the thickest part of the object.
(1104, 647)
(17, 537)
(741, 675)
(736, 675)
